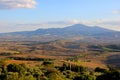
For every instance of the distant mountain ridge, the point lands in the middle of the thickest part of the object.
(69, 31)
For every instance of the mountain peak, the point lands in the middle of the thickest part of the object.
(78, 26)
(76, 30)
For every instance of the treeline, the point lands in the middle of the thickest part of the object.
(109, 48)
(30, 58)
(48, 71)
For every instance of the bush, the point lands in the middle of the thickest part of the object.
(12, 76)
(48, 63)
(84, 77)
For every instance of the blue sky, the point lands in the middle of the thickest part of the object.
(21, 15)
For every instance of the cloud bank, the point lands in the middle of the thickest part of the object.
(113, 24)
(15, 4)
(13, 27)
(116, 12)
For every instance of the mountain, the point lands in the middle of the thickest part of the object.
(77, 30)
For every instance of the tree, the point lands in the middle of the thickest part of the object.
(16, 68)
(110, 75)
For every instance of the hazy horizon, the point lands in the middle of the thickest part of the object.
(27, 15)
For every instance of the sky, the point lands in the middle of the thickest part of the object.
(25, 15)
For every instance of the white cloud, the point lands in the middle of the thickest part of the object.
(116, 12)
(15, 4)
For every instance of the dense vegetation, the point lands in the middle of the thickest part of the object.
(48, 71)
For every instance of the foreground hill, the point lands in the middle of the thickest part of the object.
(75, 31)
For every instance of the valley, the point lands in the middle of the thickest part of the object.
(59, 51)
